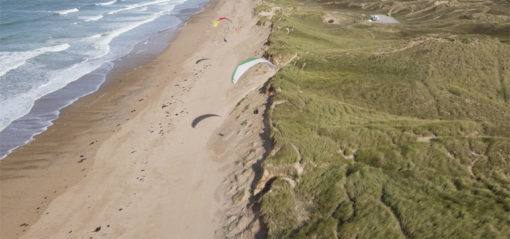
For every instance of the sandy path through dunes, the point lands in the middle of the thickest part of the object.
(157, 177)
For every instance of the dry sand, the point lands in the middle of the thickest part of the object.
(125, 162)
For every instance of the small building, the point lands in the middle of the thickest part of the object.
(382, 19)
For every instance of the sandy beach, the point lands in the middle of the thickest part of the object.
(126, 161)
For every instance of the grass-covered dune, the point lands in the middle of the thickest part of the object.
(389, 131)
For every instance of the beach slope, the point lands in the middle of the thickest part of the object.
(153, 174)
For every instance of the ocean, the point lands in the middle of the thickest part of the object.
(52, 52)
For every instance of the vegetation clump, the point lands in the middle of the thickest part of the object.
(402, 130)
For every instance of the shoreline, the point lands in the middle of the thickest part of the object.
(128, 128)
(47, 108)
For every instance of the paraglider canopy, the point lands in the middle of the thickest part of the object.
(245, 65)
(219, 20)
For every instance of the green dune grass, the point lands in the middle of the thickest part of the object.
(402, 131)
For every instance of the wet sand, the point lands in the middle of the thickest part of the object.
(126, 161)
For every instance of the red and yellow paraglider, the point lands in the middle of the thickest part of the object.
(221, 19)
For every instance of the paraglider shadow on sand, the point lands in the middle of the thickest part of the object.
(202, 117)
(201, 59)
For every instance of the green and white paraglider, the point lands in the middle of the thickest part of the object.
(246, 65)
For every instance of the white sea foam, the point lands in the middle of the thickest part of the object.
(65, 12)
(12, 60)
(94, 47)
(18, 106)
(91, 18)
(24, 102)
(93, 37)
(105, 42)
(43, 125)
(106, 3)
(102, 42)
(133, 6)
